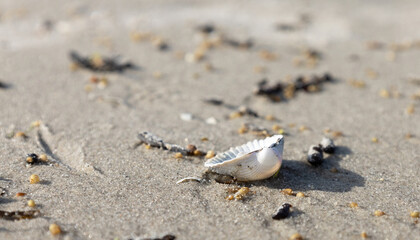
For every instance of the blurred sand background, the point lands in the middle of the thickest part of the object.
(104, 188)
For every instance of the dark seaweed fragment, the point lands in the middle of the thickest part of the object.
(18, 215)
(108, 64)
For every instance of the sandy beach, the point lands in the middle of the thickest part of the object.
(100, 183)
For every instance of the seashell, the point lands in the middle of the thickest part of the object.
(190, 179)
(315, 156)
(256, 160)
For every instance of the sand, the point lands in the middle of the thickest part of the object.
(102, 187)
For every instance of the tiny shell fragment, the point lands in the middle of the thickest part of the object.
(415, 214)
(210, 154)
(379, 213)
(287, 191)
(296, 236)
(54, 229)
(353, 205)
(300, 194)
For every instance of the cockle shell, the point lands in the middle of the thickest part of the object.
(255, 160)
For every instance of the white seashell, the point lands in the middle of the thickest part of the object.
(190, 179)
(256, 160)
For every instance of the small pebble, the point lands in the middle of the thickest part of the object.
(240, 194)
(300, 194)
(337, 134)
(408, 136)
(315, 156)
(270, 118)
(191, 148)
(157, 74)
(32, 158)
(353, 205)
(357, 83)
(20, 134)
(31, 203)
(178, 155)
(410, 109)
(303, 128)
(20, 194)
(287, 191)
(282, 212)
(211, 121)
(198, 153)
(243, 129)
(103, 83)
(379, 213)
(43, 157)
(375, 140)
(276, 127)
(260, 69)
(327, 145)
(296, 236)
(55, 229)
(35, 124)
(34, 179)
(186, 117)
(210, 154)
(414, 214)
(230, 197)
(364, 235)
(384, 93)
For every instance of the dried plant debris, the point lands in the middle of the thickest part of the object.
(243, 111)
(34, 159)
(156, 40)
(98, 63)
(299, 24)
(166, 237)
(309, 58)
(282, 212)
(215, 101)
(357, 83)
(151, 140)
(283, 91)
(397, 46)
(18, 215)
(240, 111)
(249, 43)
